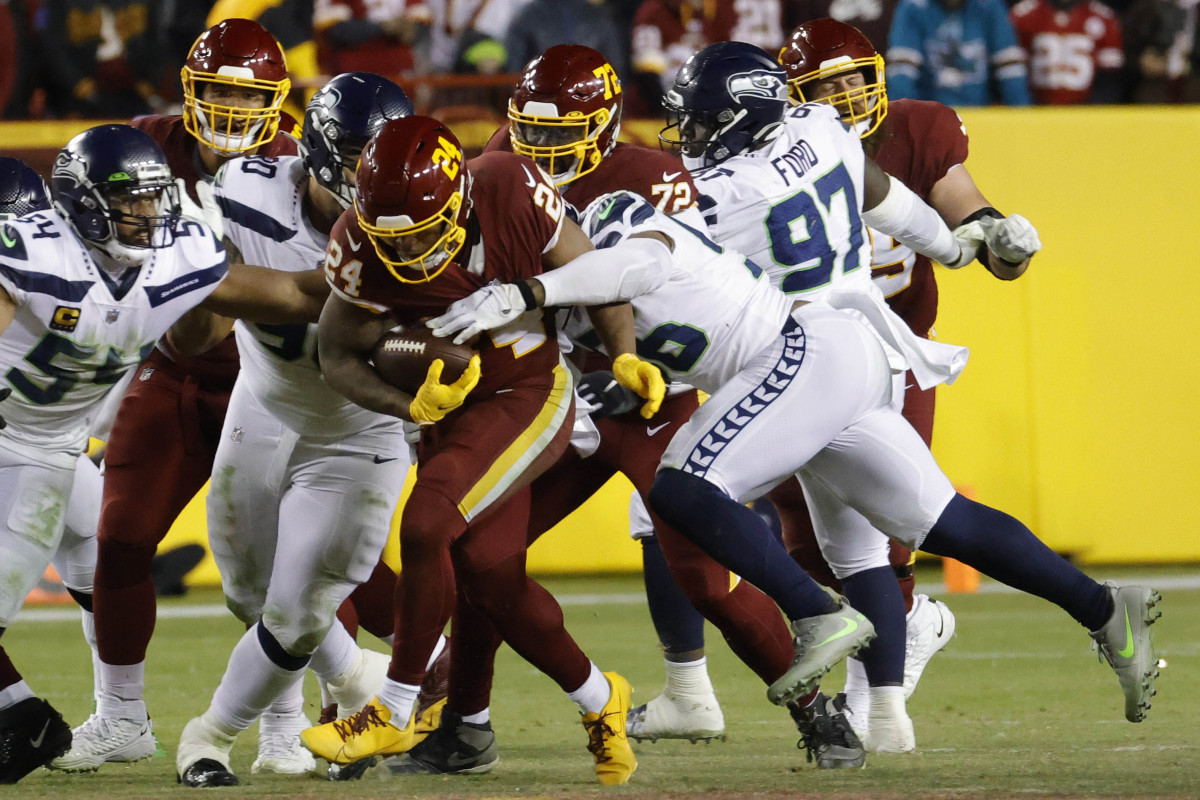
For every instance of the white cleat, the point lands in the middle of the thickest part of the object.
(929, 626)
(359, 684)
(695, 718)
(102, 740)
(279, 748)
(203, 754)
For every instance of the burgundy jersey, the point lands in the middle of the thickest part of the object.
(923, 139)
(1066, 48)
(516, 215)
(180, 146)
(657, 176)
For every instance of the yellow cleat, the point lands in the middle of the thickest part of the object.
(370, 732)
(429, 721)
(607, 741)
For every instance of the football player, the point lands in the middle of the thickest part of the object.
(168, 424)
(304, 481)
(923, 144)
(565, 114)
(793, 203)
(78, 311)
(805, 387)
(428, 228)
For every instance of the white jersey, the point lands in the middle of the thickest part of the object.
(794, 205)
(262, 202)
(76, 332)
(715, 311)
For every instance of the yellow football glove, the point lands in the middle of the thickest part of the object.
(435, 399)
(643, 378)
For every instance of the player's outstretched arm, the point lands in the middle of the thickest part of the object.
(892, 208)
(266, 295)
(346, 337)
(1009, 242)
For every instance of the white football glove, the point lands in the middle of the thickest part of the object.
(207, 211)
(969, 236)
(491, 307)
(1013, 238)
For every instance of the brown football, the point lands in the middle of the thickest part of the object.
(402, 357)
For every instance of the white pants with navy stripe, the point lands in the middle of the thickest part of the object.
(818, 404)
(296, 522)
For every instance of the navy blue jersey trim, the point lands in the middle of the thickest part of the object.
(197, 279)
(51, 285)
(254, 220)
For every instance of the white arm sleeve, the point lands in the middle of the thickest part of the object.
(904, 216)
(626, 270)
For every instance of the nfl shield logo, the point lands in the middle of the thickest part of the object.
(112, 316)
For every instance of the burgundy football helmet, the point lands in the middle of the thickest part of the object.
(412, 196)
(823, 49)
(234, 53)
(565, 112)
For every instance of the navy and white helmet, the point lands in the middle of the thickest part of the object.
(22, 190)
(113, 184)
(728, 98)
(339, 121)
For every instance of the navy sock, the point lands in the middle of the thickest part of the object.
(679, 625)
(738, 539)
(876, 594)
(1002, 548)
(275, 651)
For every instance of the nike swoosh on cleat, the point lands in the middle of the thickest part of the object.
(851, 627)
(379, 460)
(941, 622)
(35, 743)
(456, 760)
(1130, 647)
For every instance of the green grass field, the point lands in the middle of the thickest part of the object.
(1016, 706)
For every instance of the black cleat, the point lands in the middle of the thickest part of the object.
(455, 748)
(32, 734)
(207, 773)
(826, 734)
(352, 771)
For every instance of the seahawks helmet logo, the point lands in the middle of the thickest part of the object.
(758, 83)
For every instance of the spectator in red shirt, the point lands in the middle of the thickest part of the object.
(362, 36)
(1075, 50)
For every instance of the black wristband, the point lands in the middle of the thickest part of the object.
(527, 295)
(982, 252)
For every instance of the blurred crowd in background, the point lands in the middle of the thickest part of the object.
(121, 58)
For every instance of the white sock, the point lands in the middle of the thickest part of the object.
(437, 651)
(11, 695)
(399, 699)
(336, 654)
(688, 678)
(88, 620)
(286, 707)
(593, 695)
(887, 702)
(251, 682)
(479, 719)
(121, 689)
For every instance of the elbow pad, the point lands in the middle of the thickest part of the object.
(624, 271)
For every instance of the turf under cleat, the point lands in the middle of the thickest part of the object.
(697, 718)
(928, 627)
(607, 740)
(1125, 643)
(202, 758)
(32, 733)
(821, 642)
(370, 732)
(826, 734)
(279, 748)
(455, 748)
(100, 740)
